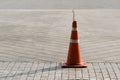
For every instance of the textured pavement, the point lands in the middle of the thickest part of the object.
(60, 4)
(44, 35)
(34, 42)
(53, 71)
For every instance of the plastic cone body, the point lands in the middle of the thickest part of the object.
(74, 59)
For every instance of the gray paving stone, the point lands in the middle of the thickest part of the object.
(41, 35)
(34, 42)
(60, 4)
(53, 71)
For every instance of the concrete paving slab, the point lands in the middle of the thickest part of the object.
(53, 71)
(60, 4)
(43, 35)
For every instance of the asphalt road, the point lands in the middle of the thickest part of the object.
(59, 4)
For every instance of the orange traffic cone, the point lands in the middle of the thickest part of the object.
(74, 59)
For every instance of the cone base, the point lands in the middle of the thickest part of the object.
(65, 65)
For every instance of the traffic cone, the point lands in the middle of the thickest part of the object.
(74, 59)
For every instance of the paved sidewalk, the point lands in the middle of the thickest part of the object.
(28, 35)
(53, 71)
(60, 4)
(34, 42)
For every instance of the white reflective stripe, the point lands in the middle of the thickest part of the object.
(74, 29)
(74, 41)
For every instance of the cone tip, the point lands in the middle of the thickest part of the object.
(74, 24)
